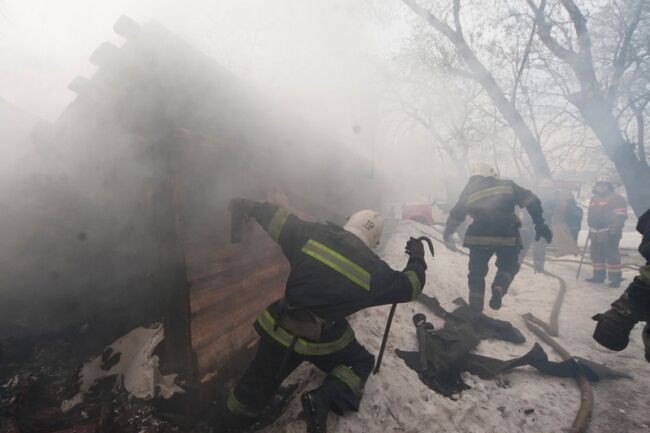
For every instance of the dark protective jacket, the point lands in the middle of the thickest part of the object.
(333, 275)
(607, 211)
(572, 214)
(491, 203)
(635, 301)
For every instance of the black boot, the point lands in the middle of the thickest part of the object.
(615, 280)
(497, 295)
(599, 277)
(316, 408)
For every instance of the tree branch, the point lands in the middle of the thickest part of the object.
(524, 60)
(459, 26)
(621, 62)
(438, 24)
(544, 31)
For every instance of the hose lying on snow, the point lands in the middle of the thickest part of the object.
(542, 330)
(553, 327)
(581, 420)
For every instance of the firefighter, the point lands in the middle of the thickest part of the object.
(333, 274)
(614, 326)
(549, 195)
(495, 230)
(606, 216)
(572, 215)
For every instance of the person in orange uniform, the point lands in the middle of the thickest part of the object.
(606, 217)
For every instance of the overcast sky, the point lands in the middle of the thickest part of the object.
(303, 46)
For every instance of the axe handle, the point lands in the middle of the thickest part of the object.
(385, 339)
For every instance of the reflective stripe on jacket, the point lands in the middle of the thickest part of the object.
(333, 273)
(607, 211)
(491, 203)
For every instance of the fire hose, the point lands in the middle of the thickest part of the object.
(542, 330)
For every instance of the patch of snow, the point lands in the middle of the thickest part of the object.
(66, 405)
(395, 400)
(137, 368)
(11, 383)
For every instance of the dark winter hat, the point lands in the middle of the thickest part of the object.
(643, 227)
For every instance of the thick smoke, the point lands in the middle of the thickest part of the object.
(173, 113)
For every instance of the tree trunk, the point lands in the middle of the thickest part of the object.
(640, 127)
(594, 107)
(509, 112)
(634, 173)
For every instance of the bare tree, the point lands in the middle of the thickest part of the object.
(596, 96)
(451, 116)
(477, 71)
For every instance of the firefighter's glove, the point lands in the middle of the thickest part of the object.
(240, 205)
(543, 231)
(414, 248)
(613, 329)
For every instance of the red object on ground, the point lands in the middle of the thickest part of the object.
(418, 212)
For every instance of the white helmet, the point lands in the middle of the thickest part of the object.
(367, 225)
(483, 169)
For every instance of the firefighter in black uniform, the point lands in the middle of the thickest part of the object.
(495, 230)
(614, 326)
(333, 275)
(606, 217)
(549, 195)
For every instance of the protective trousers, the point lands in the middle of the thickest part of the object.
(347, 371)
(605, 256)
(507, 267)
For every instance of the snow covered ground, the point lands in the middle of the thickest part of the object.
(396, 401)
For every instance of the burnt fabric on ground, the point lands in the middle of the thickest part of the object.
(449, 382)
(448, 352)
(483, 326)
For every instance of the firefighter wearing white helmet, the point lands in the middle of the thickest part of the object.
(606, 217)
(483, 169)
(334, 273)
(491, 202)
(367, 225)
